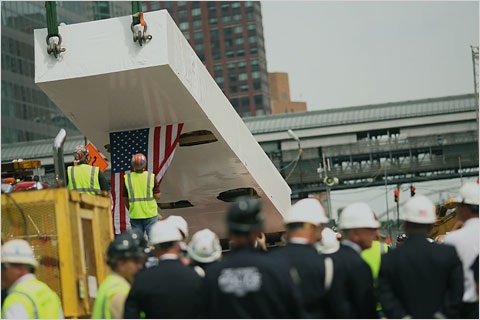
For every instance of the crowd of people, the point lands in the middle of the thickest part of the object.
(158, 271)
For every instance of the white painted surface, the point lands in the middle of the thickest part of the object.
(105, 82)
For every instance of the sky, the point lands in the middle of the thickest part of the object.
(352, 53)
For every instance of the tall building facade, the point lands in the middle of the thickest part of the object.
(27, 113)
(228, 37)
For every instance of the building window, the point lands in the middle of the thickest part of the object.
(237, 17)
(183, 26)
(251, 26)
(236, 4)
(249, 15)
(226, 19)
(244, 87)
(217, 67)
(240, 53)
(182, 14)
(197, 23)
(238, 41)
(242, 77)
(254, 62)
(219, 79)
(196, 12)
(231, 66)
(198, 35)
(248, 4)
(229, 54)
(187, 35)
(241, 64)
(253, 50)
(212, 21)
(252, 39)
(238, 29)
(256, 74)
(257, 85)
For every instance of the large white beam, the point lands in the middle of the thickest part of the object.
(105, 82)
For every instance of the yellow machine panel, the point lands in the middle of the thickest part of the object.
(69, 233)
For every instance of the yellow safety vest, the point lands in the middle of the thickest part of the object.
(83, 178)
(39, 300)
(373, 256)
(112, 285)
(140, 195)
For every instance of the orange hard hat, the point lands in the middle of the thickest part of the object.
(139, 161)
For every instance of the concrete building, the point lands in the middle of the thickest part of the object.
(228, 38)
(280, 93)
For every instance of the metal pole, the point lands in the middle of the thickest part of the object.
(398, 206)
(386, 192)
(460, 169)
(475, 57)
(59, 163)
(330, 213)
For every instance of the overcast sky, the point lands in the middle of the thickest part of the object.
(341, 54)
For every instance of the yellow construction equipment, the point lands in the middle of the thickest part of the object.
(445, 219)
(69, 233)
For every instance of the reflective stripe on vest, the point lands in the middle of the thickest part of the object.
(77, 179)
(43, 301)
(112, 284)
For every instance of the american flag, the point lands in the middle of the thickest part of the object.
(157, 144)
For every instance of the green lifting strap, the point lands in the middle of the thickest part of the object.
(136, 8)
(52, 22)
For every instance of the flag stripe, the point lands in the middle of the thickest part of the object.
(158, 144)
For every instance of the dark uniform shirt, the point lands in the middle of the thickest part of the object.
(352, 285)
(420, 279)
(250, 284)
(311, 271)
(168, 290)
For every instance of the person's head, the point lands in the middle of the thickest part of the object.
(81, 155)
(329, 243)
(165, 238)
(126, 254)
(359, 224)
(204, 247)
(467, 201)
(419, 215)
(17, 260)
(139, 162)
(181, 225)
(244, 221)
(306, 219)
(401, 238)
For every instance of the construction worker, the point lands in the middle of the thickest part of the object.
(125, 256)
(84, 177)
(420, 279)
(182, 226)
(304, 223)
(248, 283)
(28, 297)
(465, 240)
(329, 243)
(169, 290)
(373, 257)
(358, 225)
(140, 195)
(204, 250)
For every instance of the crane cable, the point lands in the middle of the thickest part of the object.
(54, 39)
(139, 26)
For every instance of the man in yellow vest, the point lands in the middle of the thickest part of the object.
(28, 297)
(125, 256)
(140, 195)
(84, 177)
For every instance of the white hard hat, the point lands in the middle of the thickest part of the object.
(329, 243)
(18, 251)
(469, 194)
(306, 210)
(358, 215)
(180, 223)
(204, 246)
(164, 231)
(419, 209)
